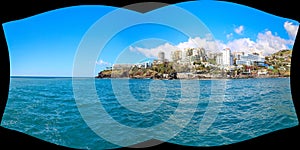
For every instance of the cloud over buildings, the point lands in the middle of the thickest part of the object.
(266, 43)
(153, 52)
(207, 43)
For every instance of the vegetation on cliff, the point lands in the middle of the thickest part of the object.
(156, 71)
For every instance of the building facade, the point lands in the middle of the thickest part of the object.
(161, 56)
(225, 58)
(189, 55)
(250, 59)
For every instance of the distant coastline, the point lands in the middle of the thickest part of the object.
(241, 77)
(243, 66)
(190, 76)
(39, 77)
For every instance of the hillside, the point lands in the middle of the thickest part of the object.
(280, 62)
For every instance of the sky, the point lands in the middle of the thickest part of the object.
(48, 44)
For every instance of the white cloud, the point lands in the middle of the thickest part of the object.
(242, 44)
(266, 43)
(239, 30)
(269, 43)
(103, 63)
(291, 29)
(207, 43)
(153, 52)
(228, 36)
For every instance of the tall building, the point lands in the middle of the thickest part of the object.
(219, 58)
(212, 55)
(161, 56)
(186, 55)
(176, 55)
(227, 57)
(189, 55)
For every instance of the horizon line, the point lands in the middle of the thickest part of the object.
(41, 76)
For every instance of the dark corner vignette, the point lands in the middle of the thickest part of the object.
(14, 10)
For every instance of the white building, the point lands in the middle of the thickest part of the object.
(189, 55)
(237, 55)
(250, 59)
(219, 58)
(176, 55)
(121, 66)
(227, 57)
(224, 58)
(145, 64)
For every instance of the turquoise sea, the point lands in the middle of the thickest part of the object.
(64, 111)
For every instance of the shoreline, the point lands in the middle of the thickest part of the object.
(201, 78)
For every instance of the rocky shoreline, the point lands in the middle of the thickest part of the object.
(109, 74)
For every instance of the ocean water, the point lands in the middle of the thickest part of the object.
(198, 112)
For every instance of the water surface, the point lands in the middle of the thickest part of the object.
(45, 108)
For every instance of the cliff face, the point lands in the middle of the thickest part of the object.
(113, 74)
(137, 74)
(157, 71)
(104, 74)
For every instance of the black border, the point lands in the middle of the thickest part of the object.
(13, 10)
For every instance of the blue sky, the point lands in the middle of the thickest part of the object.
(46, 44)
